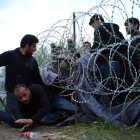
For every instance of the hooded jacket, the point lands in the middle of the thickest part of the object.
(135, 49)
(108, 43)
(20, 69)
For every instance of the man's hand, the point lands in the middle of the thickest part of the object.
(24, 121)
(26, 127)
(28, 122)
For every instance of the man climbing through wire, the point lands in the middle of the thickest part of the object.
(109, 45)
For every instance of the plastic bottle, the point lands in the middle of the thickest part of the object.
(31, 135)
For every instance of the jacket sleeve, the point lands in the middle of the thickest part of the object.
(45, 106)
(36, 77)
(98, 38)
(135, 50)
(5, 58)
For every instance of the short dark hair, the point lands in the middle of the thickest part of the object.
(87, 43)
(96, 17)
(16, 88)
(28, 39)
(133, 21)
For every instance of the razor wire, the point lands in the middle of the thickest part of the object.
(55, 55)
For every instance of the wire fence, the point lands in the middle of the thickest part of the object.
(54, 51)
(55, 56)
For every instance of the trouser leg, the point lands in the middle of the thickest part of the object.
(12, 104)
(59, 104)
(6, 118)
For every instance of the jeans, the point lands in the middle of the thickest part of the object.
(6, 118)
(60, 104)
(12, 104)
(106, 75)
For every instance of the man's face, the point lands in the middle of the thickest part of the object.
(30, 50)
(23, 94)
(130, 27)
(86, 47)
(96, 24)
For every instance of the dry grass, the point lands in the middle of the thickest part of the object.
(98, 131)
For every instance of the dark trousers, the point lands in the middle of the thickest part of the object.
(108, 75)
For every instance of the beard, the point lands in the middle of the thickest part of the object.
(28, 53)
(26, 102)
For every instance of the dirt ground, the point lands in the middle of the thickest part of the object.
(46, 133)
(92, 131)
(9, 133)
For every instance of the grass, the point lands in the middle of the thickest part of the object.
(106, 132)
(92, 131)
(100, 131)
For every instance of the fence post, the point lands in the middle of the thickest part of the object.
(74, 37)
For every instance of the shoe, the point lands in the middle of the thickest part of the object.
(62, 115)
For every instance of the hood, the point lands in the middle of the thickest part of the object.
(17, 50)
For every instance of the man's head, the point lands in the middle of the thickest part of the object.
(28, 44)
(131, 25)
(86, 46)
(22, 93)
(96, 20)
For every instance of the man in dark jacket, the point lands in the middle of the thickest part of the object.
(132, 28)
(109, 45)
(21, 68)
(36, 104)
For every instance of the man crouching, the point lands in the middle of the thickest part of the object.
(35, 104)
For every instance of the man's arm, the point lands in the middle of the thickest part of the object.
(36, 78)
(98, 38)
(24, 121)
(43, 110)
(135, 50)
(27, 123)
(5, 58)
(45, 106)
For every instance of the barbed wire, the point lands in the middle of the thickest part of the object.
(61, 58)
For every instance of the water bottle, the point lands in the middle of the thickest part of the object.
(31, 135)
